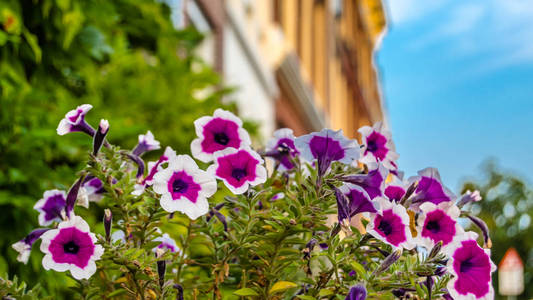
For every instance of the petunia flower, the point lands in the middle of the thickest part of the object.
(281, 148)
(358, 199)
(92, 190)
(153, 168)
(74, 121)
(438, 223)
(23, 247)
(167, 243)
(238, 169)
(184, 187)
(395, 189)
(377, 146)
(471, 268)
(218, 132)
(51, 207)
(147, 142)
(71, 247)
(430, 187)
(391, 225)
(326, 147)
(373, 182)
(357, 292)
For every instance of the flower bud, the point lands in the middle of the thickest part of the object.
(357, 292)
(99, 136)
(72, 196)
(484, 230)
(435, 250)
(178, 287)
(387, 262)
(161, 267)
(440, 271)
(108, 220)
(469, 197)
(140, 164)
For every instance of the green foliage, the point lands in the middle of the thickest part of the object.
(507, 208)
(12, 288)
(123, 57)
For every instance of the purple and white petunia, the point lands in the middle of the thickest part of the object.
(238, 169)
(92, 190)
(391, 225)
(326, 147)
(74, 121)
(51, 207)
(146, 143)
(430, 188)
(184, 187)
(281, 148)
(378, 146)
(471, 268)
(395, 189)
(438, 223)
(167, 244)
(373, 182)
(358, 199)
(218, 132)
(71, 247)
(153, 168)
(23, 247)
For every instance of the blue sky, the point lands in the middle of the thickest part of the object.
(458, 82)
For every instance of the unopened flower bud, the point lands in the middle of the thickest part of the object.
(435, 250)
(100, 135)
(72, 196)
(178, 287)
(469, 197)
(440, 271)
(108, 220)
(484, 230)
(161, 266)
(387, 262)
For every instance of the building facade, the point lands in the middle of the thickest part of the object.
(302, 64)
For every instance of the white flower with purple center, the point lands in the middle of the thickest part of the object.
(377, 146)
(71, 247)
(153, 168)
(438, 223)
(146, 143)
(430, 188)
(167, 244)
(358, 199)
(281, 148)
(92, 190)
(238, 169)
(74, 121)
(395, 189)
(472, 269)
(391, 225)
(23, 247)
(51, 207)
(326, 147)
(184, 187)
(218, 132)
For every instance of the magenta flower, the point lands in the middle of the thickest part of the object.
(326, 147)
(184, 187)
(378, 146)
(395, 189)
(146, 143)
(238, 169)
(167, 244)
(71, 247)
(23, 247)
(358, 199)
(430, 188)
(74, 121)
(51, 207)
(281, 147)
(472, 269)
(391, 225)
(373, 182)
(222, 130)
(438, 223)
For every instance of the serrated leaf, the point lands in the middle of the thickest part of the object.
(281, 286)
(246, 292)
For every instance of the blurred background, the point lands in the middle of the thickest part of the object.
(451, 79)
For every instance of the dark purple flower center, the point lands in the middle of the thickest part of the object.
(71, 247)
(376, 144)
(433, 226)
(238, 174)
(179, 186)
(221, 138)
(385, 227)
(372, 146)
(466, 265)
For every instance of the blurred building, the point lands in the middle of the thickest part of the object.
(303, 64)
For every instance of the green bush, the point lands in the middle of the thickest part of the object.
(125, 58)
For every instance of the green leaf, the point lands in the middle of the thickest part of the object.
(304, 297)
(246, 292)
(281, 286)
(325, 292)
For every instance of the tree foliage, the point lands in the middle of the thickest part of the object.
(507, 208)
